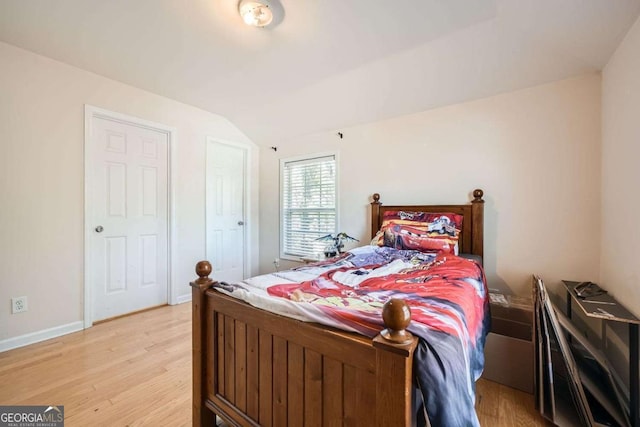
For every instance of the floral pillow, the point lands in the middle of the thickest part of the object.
(427, 232)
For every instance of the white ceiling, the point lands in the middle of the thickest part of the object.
(328, 64)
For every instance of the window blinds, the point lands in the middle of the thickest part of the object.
(308, 205)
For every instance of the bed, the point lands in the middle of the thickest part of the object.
(253, 367)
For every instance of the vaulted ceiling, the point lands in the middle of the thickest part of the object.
(326, 64)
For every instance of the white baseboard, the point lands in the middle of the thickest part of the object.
(183, 298)
(45, 334)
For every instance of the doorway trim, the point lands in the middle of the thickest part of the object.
(246, 269)
(91, 112)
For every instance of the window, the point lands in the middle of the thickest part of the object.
(308, 204)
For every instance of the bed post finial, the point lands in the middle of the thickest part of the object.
(203, 270)
(477, 196)
(396, 316)
(375, 214)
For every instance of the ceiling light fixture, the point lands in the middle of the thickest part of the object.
(256, 13)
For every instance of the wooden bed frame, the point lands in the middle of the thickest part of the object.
(255, 368)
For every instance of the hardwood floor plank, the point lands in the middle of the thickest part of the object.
(501, 406)
(132, 370)
(487, 398)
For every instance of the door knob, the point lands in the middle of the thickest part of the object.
(99, 229)
(240, 222)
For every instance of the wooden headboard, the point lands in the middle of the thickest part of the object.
(472, 235)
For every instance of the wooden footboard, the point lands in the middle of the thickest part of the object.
(252, 367)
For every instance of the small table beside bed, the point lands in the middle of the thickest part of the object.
(388, 335)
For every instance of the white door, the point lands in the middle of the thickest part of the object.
(225, 216)
(127, 215)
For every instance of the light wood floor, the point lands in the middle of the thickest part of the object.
(136, 371)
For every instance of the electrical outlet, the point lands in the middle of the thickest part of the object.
(18, 305)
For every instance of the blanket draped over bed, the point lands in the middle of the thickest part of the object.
(447, 296)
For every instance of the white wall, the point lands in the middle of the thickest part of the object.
(41, 186)
(620, 269)
(620, 172)
(535, 153)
